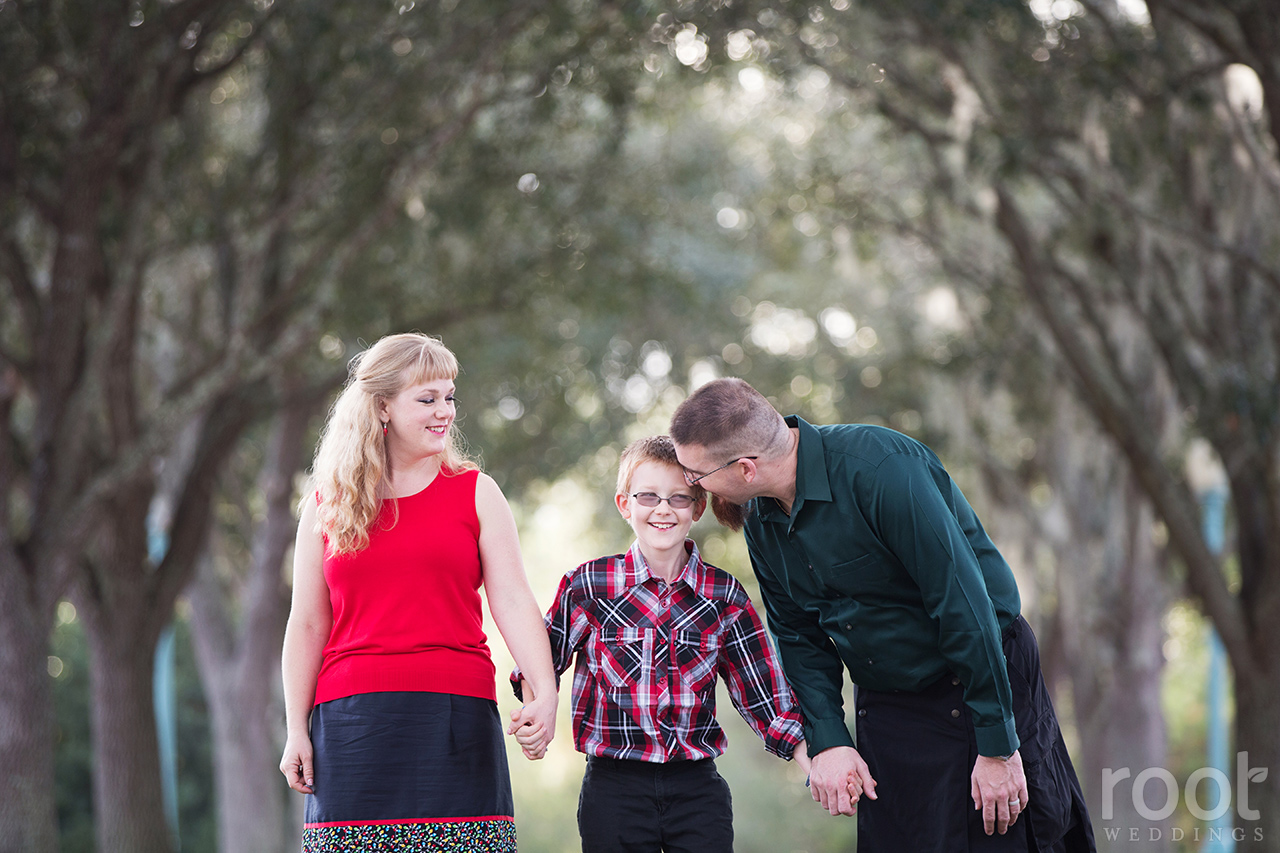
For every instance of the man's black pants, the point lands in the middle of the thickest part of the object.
(643, 807)
(920, 749)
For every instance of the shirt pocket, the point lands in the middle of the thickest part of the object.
(624, 656)
(867, 575)
(697, 653)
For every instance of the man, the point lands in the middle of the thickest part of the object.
(869, 558)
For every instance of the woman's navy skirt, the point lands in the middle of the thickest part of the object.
(409, 772)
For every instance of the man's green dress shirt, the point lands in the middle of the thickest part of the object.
(882, 565)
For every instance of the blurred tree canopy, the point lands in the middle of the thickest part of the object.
(197, 196)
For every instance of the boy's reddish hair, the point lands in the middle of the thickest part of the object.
(655, 448)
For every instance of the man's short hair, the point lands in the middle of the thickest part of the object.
(729, 418)
(655, 448)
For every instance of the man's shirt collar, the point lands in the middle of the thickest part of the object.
(811, 475)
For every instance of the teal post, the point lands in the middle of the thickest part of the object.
(1218, 840)
(162, 689)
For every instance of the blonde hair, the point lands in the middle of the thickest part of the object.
(350, 465)
(655, 448)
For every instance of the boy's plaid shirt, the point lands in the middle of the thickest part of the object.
(648, 656)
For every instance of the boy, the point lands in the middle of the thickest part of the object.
(652, 629)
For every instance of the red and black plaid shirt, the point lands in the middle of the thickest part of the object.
(644, 687)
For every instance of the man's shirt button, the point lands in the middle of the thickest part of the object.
(955, 712)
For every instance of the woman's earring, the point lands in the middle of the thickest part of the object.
(384, 429)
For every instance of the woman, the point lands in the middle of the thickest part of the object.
(393, 728)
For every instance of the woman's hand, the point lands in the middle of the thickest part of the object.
(296, 764)
(534, 723)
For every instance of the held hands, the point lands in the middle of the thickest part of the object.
(999, 789)
(534, 723)
(296, 764)
(838, 777)
(801, 755)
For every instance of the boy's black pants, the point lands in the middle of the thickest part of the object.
(643, 807)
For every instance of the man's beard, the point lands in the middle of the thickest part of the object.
(730, 515)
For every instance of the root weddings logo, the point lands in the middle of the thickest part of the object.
(1158, 786)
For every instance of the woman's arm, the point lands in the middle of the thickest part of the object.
(516, 613)
(310, 620)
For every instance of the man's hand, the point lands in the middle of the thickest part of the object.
(838, 777)
(999, 788)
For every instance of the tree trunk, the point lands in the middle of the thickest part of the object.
(245, 711)
(1112, 597)
(28, 814)
(1255, 501)
(127, 798)
(239, 660)
(1256, 784)
(250, 789)
(1113, 649)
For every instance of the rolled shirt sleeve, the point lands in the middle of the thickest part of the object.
(757, 687)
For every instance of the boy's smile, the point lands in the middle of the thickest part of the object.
(660, 529)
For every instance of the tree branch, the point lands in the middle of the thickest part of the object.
(1171, 499)
(267, 595)
(18, 274)
(210, 614)
(1109, 187)
(222, 427)
(1090, 305)
(338, 260)
(240, 367)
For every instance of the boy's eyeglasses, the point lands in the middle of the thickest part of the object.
(675, 501)
(693, 481)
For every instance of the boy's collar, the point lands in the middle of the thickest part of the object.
(693, 572)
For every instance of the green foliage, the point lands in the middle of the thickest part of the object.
(70, 660)
(197, 818)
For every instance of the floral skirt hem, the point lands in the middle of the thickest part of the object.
(481, 835)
